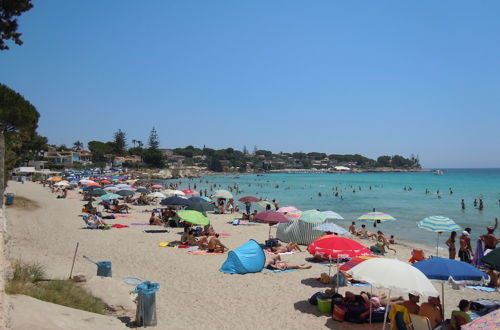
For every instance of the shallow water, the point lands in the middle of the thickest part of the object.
(387, 194)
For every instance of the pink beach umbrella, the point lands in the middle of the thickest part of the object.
(288, 209)
(157, 186)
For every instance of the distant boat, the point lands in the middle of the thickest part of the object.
(438, 172)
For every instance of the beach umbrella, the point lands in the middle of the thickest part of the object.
(488, 321)
(56, 179)
(337, 247)
(86, 181)
(175, 200)
(438, 224)
(332, 215)
(123, 186)
(170, 192)
(249, 199)
(62, 183)
(271, 218)
(442, 269)
(105, 181)
(265, 204)
(156, 194)
(142, 190)
(288, 209)
(125, 192)
(393, 274)
(222, 194)
(493, 258)
(194, 217)
(376, 217)
(93, 184)
(157, 186)
(108, 196)
(111, 189)
(197, 199)
(201, 207)
(355, 261)
(190, 192)
(333, 228)
(97, 192)
(312, 216)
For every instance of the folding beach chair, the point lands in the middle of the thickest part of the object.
(420, 322)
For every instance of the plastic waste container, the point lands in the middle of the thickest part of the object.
(9, 198)
(104, 268)
(146, 304)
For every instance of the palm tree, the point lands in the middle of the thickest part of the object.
(78, 145)
(134, 142)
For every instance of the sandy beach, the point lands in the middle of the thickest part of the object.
(193, 293)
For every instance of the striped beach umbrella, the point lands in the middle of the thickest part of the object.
(222, 194)
(376, 217)
(438, 224)
(333, 228)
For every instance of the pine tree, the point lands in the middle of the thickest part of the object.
(154, 141)
(120, 142)
(245, 150)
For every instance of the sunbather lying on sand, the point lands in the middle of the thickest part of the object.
(290, 247)
(94, 220)
(275, 263)
(203, 242)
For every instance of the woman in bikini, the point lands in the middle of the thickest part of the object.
(452, 251)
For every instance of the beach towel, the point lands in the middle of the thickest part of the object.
(267, 251)
(140, 223)
(280, 271)
(481, 288)
(361, 284)
(155, 231)
(225, 234)
(117, 225)
(198, 253)
(163, 244)
(123, 216)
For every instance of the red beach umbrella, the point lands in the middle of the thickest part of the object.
(248, 199)
(332, 246)
(105, 181)
(190, 192)
(271, 218)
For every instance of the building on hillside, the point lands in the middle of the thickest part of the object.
(119, 160)
(166, 152)
(68, 157)
(175, 160)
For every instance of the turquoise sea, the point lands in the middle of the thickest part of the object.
(387, 194)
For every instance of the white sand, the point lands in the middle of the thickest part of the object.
(193, 292)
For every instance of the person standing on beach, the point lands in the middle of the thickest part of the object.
(248, 205)
(276, 205)
(489, 239)
(452, 251)
(465, 253)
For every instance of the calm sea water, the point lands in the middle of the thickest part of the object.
(387, 194)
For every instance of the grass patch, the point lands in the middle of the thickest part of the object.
(28, 279)
(23, 202)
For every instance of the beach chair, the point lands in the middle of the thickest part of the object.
(399, 317)
(420, 322)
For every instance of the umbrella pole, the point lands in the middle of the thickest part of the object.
(338, 274)
(371, 295)
(437, 245)
(442, 301)
(269, 231)
(386, 309)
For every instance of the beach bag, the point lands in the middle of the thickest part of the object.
(236, 222)
(314, 299)
(339, 312)
(271, 243)
(324, 278)
(376, 249)
(341, 278)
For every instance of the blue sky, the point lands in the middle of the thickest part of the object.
(368, 77)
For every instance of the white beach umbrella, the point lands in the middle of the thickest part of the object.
(62, 183)
(221, 193)
(111, 189)
(332, 215)
(393, 274)
(86, 181)
(157, 195)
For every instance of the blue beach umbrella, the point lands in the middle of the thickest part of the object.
(333, 228)
(438, 224)
(443, 269)
(107, 197)
(176, 200)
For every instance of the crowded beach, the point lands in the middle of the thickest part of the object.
(226, 260)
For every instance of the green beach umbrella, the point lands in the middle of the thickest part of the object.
(125, 192)
(313, 216)
(107, 197)
(142, 191)
(493, 258)
(194, 217)
(97, 192)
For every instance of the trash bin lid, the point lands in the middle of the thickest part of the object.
(147, 287)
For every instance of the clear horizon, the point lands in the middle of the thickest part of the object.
(377, 78)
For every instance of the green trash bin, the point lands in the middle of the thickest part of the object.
(9, 199)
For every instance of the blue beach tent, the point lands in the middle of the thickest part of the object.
(248, 258)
